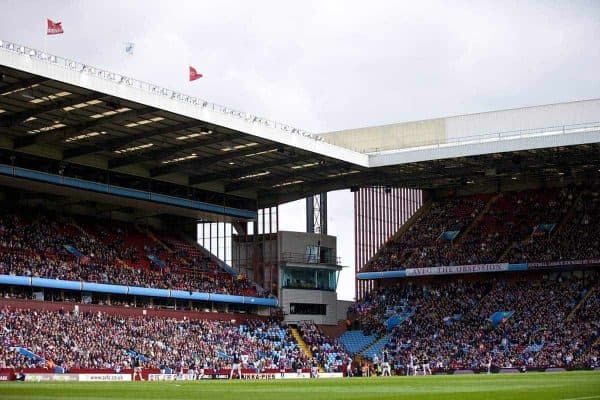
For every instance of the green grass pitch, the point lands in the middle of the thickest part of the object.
(547, 386)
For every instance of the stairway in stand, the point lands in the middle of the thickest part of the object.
(302, 344)
(567, 217)
(156, 240)
(79, 228)
(581, 302)
(376, 348)
(478, 218)
(596, 342)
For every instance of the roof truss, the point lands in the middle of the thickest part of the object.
(36, 80)
(166, 153)
(199, 163)
(116, 143)
(276, 178)
(236, 173)
(59, 134)
(17, 118)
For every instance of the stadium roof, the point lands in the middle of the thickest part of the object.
(85, 118)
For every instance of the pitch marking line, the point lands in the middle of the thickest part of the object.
(583, 398)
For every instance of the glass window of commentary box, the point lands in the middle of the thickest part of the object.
(309, 278)
(320, 255)
(308, 309)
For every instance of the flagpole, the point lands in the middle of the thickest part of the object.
(46, 37)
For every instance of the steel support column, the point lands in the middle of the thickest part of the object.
(316, 214)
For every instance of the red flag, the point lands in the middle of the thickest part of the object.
(194, 74)
(54, 28)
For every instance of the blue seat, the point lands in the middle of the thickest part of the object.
(356, 341)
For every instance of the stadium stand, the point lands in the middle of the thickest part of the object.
(376, 348)
(578, 237)
(520, 322)
(356, 341)
(70, 340)
(42, 244)
(528, 320)
(514, 186)
(329, 353)
(527, 226)
(423, 236)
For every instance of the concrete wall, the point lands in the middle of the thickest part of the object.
(310, 297)
(296, 242)
(336, 309)
(342, 308)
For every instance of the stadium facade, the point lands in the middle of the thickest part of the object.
(184, 193)
(241, 163)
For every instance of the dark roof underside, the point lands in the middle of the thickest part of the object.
(55, 126)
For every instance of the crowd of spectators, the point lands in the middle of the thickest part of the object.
(451, 323)
(378, 304)
(34, 245)
(412, 248)
(328, 352)
(528, 226)
(509, 218)
(581, 329)
(95, 340)
(577, 238)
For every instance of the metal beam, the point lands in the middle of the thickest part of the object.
(17, 118)
(199, 163)
(130, 139)
(57, 134)
(271, 197)
(242, 171)
(276, 179)
(258, 182)
(169, 152)
(22, 84)
(116, 143)
(316, 213)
